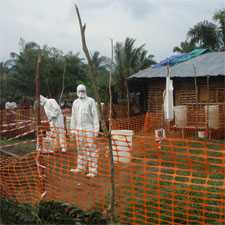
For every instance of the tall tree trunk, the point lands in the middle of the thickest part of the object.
(93, 75)
(63, 84)
(128, 99)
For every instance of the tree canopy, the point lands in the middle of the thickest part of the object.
(205, 34)
(61, 73)
(129, 59)
(19, 71)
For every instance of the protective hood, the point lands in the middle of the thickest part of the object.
(81, 91)
(43, 100)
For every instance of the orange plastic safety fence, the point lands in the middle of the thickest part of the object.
(16, 122)
(8, 116)
(180, 182)
(153, 121)
(196, 123)
(135, 123)
(20, 180)
(118, 111)
(175, 181)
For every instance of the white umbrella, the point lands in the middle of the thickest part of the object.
(168, 100)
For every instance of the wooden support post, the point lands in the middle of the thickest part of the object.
(37, 95)
(196, 96)
(208, 129)
(110, 89)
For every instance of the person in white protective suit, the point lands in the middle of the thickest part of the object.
(55, 119)
(10, 105)
(85, 125)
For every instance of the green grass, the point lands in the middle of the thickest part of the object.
(19, 149)
(191, 191)
(47, 213)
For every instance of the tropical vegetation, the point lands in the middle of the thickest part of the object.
(205, 34)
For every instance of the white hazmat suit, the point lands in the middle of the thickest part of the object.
(10, 105)
(55, 119)
(85, 125)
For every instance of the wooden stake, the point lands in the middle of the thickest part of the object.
(196, 85)
(196, 93)
(37, 93)
(93, 75)
(208, 130)
(63, 83)
(110, 89)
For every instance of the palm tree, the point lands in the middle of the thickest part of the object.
(204, 35)
(102, 65)
(184, 47)
(128, 60)
(99, 61)
(219, 16)
(5, 79)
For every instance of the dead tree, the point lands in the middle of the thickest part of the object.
(63, 83)
(93, 76)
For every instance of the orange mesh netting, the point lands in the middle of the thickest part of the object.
(175, 181)
(195, 119)
(135, 123)
(20, 179)
(16, 123)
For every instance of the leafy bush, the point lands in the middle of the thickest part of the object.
(62, 213)
(13, 213)
(47, 213)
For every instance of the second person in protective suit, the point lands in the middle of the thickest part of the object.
(55, 119)
(85, 125)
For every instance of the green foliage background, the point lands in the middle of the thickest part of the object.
(47, 213)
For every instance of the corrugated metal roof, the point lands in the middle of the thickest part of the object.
(210, 64)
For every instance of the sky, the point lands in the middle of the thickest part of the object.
(159, 24)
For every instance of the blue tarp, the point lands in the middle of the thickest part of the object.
(178, 58)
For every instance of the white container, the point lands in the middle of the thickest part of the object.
(212, 113)
(122, 141)
(202, 134)
(180, 116)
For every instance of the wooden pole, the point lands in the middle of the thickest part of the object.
(38, 124)
(196, 94)
(92, 69)
(208, 130)
(110, 89)
(37, 94)
(196, 84)
(2, 94)
(63, 83)
(128, 98)
(93, 75)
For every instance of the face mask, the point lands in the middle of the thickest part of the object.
(81, 91)
(81, 94)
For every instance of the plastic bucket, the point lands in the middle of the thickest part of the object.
(122, 141)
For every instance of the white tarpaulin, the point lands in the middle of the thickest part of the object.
(168, 100)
